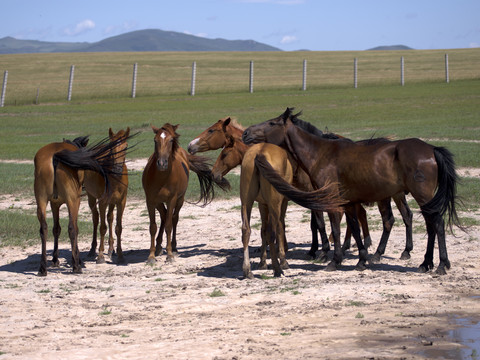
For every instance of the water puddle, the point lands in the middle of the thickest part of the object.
(465, 333)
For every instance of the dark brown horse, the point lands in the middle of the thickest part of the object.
(369, 173)
(165, 181)
(58, 180)
(95, 185)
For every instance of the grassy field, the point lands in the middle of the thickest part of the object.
(109, 75)
(444, 114)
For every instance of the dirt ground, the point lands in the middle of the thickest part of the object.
(199, 307)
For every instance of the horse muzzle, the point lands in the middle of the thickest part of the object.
(162, 164)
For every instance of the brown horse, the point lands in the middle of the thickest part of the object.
(165, 181)
(95, 185)
(58, 180)
(213, 138)
(369, 173)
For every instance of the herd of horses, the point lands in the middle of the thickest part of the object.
(281, 159)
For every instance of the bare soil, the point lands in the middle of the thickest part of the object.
(199, 307)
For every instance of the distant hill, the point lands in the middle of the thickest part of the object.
(392, 47)
(141, 40)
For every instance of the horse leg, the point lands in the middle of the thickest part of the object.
(176, 215)
(73, 207)
(428, 258)
(279, 229)
(118, 230)
(163, 215)
(362, 219)
(246, 231)
(111, 250)
(388, 219)
(153, 231)
(407, 217)
(102, 207)
(335, 219)
(56, 232)
(168, 230)
(351, 215)
(317, 223)
(439, 226)
(41, 215)
(92, 203)
(264, 234)
(277, 271)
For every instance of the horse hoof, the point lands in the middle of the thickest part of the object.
(310, 255)
(323, 258)
(262, 266)
(249, 276)
(361, 266)
(441, 271)
(422, 269)
(278, 273)
(170, 259)
(42, 272)
(331, 267)
(284, 266)
(101, 260)
(158, 252)
(151, 260)
(77, 271)
(55, 263)
(405, 255)
(375, 258)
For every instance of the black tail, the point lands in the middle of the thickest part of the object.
(445, 199)
(324, 199)
(200, 165)
(99, 158)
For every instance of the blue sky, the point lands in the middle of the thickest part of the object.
(286, 24)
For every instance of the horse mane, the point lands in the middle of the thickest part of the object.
(79, 142)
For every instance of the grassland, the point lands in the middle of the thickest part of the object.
(426, 107)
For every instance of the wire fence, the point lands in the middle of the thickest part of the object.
(35, 78)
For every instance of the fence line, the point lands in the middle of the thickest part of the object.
(251, 78)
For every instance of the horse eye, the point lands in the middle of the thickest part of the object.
(210, 131)
(272, 123)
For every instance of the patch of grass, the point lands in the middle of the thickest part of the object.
(44, 291)
(355, 303)
(105, 311)
(21, 228)
(359, 316)
(216, 293)
(285, 333)
(266, 277)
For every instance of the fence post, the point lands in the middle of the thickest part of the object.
(134, 80)
(355, 72)
(4, 88)
(70, 83)
(402, 71)
(447, 76)
(304, 83)
(250, 87)
(194, 74)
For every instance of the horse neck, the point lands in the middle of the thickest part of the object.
(302, 145)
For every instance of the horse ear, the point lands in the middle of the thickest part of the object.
(287, 113)
(155, 129)
(127, 132)
(175, 127)
(225, 124)
(110, 132)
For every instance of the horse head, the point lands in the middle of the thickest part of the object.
(119, 151)
(166, 144)
(271, 131)
(210, 139)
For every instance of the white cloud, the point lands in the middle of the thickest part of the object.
(80, 28)
(288, 39)
(474, 45)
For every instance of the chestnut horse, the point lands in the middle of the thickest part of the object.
(94, 186)
(369, 173)
(165, 181)
(58, 180)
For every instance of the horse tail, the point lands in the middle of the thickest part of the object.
(445, 199)
(200, 165)
(99, 158)
(323, 199)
